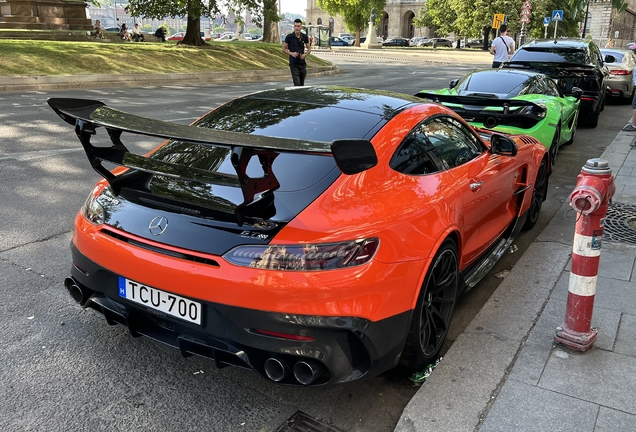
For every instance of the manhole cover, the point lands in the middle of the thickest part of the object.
(301, 422)
(620, 223)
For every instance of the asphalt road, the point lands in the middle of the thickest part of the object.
(65, 369)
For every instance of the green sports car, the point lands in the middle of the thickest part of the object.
(514, 102)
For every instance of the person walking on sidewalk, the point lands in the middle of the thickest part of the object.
(502, 47)
(294, 46)
(631, 126)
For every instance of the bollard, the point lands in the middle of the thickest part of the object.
(594, 189)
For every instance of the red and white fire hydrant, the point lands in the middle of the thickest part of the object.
(594, 189)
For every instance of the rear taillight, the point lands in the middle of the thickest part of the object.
(307, 257)
(621, 72)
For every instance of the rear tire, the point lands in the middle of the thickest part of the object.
(538, 196)
(434, 310)
(554, 148)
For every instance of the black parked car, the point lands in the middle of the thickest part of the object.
(402, 42)
(570, 63)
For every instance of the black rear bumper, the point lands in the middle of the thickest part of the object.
(349, 348)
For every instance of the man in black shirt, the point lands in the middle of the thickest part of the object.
(294, 46)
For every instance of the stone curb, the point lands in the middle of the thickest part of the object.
(27, 83)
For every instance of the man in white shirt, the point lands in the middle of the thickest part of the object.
(138, 36)
(502, 47)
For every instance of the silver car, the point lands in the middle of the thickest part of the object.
(621, 78)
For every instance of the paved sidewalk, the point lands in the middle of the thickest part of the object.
(504, 373)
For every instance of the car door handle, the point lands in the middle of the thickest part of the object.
(476, 186)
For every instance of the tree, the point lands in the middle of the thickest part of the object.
(420, 20)
(354, 13)
(270, 21)
(194, 9)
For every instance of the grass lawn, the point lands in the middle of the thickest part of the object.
(41, 57)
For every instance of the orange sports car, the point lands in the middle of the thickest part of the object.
(316, 235)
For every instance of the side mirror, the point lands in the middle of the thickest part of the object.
(453, 84)
(354, 156)
(577, 92)
(610, 59)
(502, 145)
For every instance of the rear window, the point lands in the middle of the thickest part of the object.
(294, 171)
(492, 82)
(552, 55)
(618, 57)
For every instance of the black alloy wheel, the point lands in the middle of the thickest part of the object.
(434, 310)
(554, 147)
(538, 196)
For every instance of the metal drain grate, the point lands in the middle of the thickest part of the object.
(301, 422)
(620, 223)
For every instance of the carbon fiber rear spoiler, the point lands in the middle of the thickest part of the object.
(472, 109)
(352, 156)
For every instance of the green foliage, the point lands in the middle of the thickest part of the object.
(441, 15)
(355, 13)
(194, 10)
(471, 18)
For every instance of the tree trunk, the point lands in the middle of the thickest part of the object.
(358, 31)
(193, 32)
(486, 38)
(270, 22)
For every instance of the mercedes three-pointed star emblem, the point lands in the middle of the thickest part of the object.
(158, 225)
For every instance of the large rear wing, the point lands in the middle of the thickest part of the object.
(351, 156)
(491, 111)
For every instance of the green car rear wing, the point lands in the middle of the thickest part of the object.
(491, 111)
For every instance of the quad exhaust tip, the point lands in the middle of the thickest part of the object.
(276, 370)
(78, 294)
(491, 122)
(307, 371)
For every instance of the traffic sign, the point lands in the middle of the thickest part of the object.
(557, 15)
(525, 19)
(527, 5)
(546, 21)
(525, 13)
(498, 20)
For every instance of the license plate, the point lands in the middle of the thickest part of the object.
(165, 302)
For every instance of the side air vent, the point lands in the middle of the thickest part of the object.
(528, 140)
(157, 249)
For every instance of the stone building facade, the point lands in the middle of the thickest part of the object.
(603, 22)
(396, 20)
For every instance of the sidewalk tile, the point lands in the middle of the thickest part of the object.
(610, 293)
(596, 376)
(626, 339)
(610, 420)
(520, 407)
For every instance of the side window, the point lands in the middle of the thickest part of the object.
(453, 143)
(553, 88)
(416, 155)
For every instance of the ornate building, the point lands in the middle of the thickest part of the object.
(396, 20)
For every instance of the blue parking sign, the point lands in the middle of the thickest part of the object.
(546, 21)
(557, 15)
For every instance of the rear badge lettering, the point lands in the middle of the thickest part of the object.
(252, 234)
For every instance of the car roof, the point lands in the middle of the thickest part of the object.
(365, 100)
(507, 71)
(558, 43)
(615, 50)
